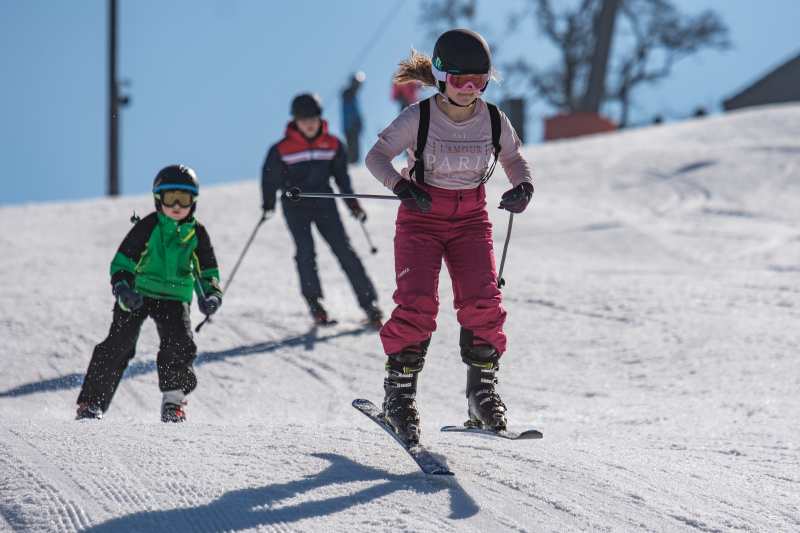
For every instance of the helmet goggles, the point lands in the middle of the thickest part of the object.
(171, 197)
(470, 81)
(475, 82)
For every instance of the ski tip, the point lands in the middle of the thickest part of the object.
(437, 469)
(361, 402)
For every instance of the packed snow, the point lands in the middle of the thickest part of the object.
(653, 302)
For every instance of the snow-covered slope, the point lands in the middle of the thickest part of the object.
(653, 302)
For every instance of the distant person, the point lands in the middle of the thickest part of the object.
(443, 216)
(164, 258)
(405, 94)
(700, 112)
(351, 117)
(307, 157)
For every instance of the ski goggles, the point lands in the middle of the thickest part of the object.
(171, 197)
(476, 82)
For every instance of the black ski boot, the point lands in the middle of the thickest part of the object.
(374, 316)
(173, 413)
(400, 386)
(88, 411)
(486, 409)
(173, 407)
(318, 313)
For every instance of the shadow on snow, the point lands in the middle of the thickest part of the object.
(137, 368)
(255, 507)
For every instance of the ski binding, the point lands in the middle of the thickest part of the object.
(424, 458)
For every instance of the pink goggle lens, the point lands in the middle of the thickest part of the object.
(463, 81)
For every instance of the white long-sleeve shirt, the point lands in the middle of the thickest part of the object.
(457, 154)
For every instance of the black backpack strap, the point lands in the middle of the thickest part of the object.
(422, 139)
(494, 117)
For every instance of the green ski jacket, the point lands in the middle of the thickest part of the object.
(161, 258)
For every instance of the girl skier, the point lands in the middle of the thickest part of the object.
(450, 139)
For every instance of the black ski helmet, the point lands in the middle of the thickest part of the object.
(306, 105)
(460, 51)
(174, 177)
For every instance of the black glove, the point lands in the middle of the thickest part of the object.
(128, 299)
(412, 196)
(516, 199)
(210, 304)
(355, 209)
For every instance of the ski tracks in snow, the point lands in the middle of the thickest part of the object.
(652, 309)
(29, 475)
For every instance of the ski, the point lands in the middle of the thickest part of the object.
(503, 433)
(426, 461)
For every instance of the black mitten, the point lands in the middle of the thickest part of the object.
(413, 197)
(517, 199)
(128, 299)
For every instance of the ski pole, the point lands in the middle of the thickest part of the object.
(296, 194)
(372, 247)
(500, 280)
(263, 218)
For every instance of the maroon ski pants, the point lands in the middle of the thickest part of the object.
(458, 230)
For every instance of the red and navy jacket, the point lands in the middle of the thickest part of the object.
(297, 161)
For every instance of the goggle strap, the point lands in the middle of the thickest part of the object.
(192, 189)
(440, 75)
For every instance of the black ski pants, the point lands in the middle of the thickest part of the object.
(325, 216)
(110, 358)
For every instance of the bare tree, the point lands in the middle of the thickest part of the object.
(660, 36)
(571, 32)
(441, 15)
(651, 36)
(603, 37)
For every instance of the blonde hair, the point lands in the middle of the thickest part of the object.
(417, 67)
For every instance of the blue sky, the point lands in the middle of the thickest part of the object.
(211, 80)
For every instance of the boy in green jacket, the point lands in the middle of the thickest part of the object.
(164, 258)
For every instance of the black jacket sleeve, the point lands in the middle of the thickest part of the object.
(339, 170)
(131, 250)
(271, 178)
(207, 262)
